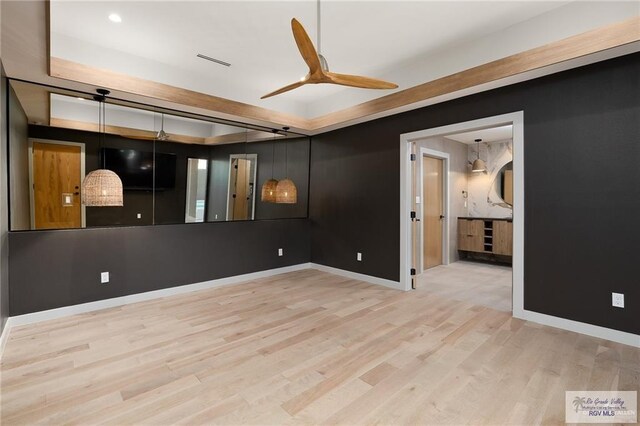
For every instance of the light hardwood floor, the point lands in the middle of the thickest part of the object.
(302, 348)
(484, 284)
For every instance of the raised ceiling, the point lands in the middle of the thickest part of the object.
(567, 35)
(406, 42)
(492, 134)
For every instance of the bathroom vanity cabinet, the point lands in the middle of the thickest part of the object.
(485, 235)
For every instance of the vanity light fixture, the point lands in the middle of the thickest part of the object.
(102, 187)
(269, 187)
(286, 191)
(478, 165)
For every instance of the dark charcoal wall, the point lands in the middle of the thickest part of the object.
(50, 269)
(582, 189)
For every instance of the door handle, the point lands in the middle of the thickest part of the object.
(76, 193)
(441, 216)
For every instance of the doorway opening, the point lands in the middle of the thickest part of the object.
(461, 229)
(56, 171)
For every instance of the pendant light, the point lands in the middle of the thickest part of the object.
(102, 187)
(269, 187)
(478, 165)
(286, 191)
(162, 136)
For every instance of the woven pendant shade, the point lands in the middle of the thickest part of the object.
(286, 192)
(102, 188)
(269, 191)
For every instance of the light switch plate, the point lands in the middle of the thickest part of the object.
(139, 215)
(359, 257)
(104, 277)
(617, 300)
(280, 252)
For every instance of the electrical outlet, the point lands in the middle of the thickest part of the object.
(104, 277)
(139, 215)
(617, 300)
(280, 252)
(359, 257)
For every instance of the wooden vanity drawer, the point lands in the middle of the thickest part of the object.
(470, 235)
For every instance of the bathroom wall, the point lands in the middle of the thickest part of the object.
(457, 183)
(483, 200)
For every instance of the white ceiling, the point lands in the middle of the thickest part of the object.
(386, 39)
(493, 134)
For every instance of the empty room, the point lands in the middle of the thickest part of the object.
(319, 212)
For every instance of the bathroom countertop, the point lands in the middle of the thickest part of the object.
(508, 219)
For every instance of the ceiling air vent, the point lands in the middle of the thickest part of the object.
(217, 61)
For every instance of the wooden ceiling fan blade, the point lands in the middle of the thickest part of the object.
(285, 89)
(305, 46)
(359, 81)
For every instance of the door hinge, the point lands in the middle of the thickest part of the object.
(412, 271)
(413, 157)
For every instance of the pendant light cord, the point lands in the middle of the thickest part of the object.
(286, 160)
(273, 154)
(102, 129)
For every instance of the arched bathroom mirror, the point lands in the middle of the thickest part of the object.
(503, 183)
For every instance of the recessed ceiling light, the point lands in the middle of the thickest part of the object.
(114, 17)
(80, 99)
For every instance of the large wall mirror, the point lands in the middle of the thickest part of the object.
(174, 167)
(503, 183)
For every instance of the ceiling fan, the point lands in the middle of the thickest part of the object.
(319, 69)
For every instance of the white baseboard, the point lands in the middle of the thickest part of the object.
(4, 336)
(141, 297)
(580, 327)
(66, 311)
(356, 276)
(565, 324)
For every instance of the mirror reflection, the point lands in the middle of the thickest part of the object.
(503, 183)
(174, 167)
(241, 194)
(196, 201)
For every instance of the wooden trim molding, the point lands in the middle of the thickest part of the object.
(125, 132)
(68, 70)
(128, 132)
(574, 47)
(567, 49)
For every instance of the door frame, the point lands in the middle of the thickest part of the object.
(83, 208)
(517, 120)
(445, 157)
(253, 157)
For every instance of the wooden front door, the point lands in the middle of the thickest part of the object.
(432, 211)
(56, 186)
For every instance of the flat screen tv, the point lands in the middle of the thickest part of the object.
(136, 168)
